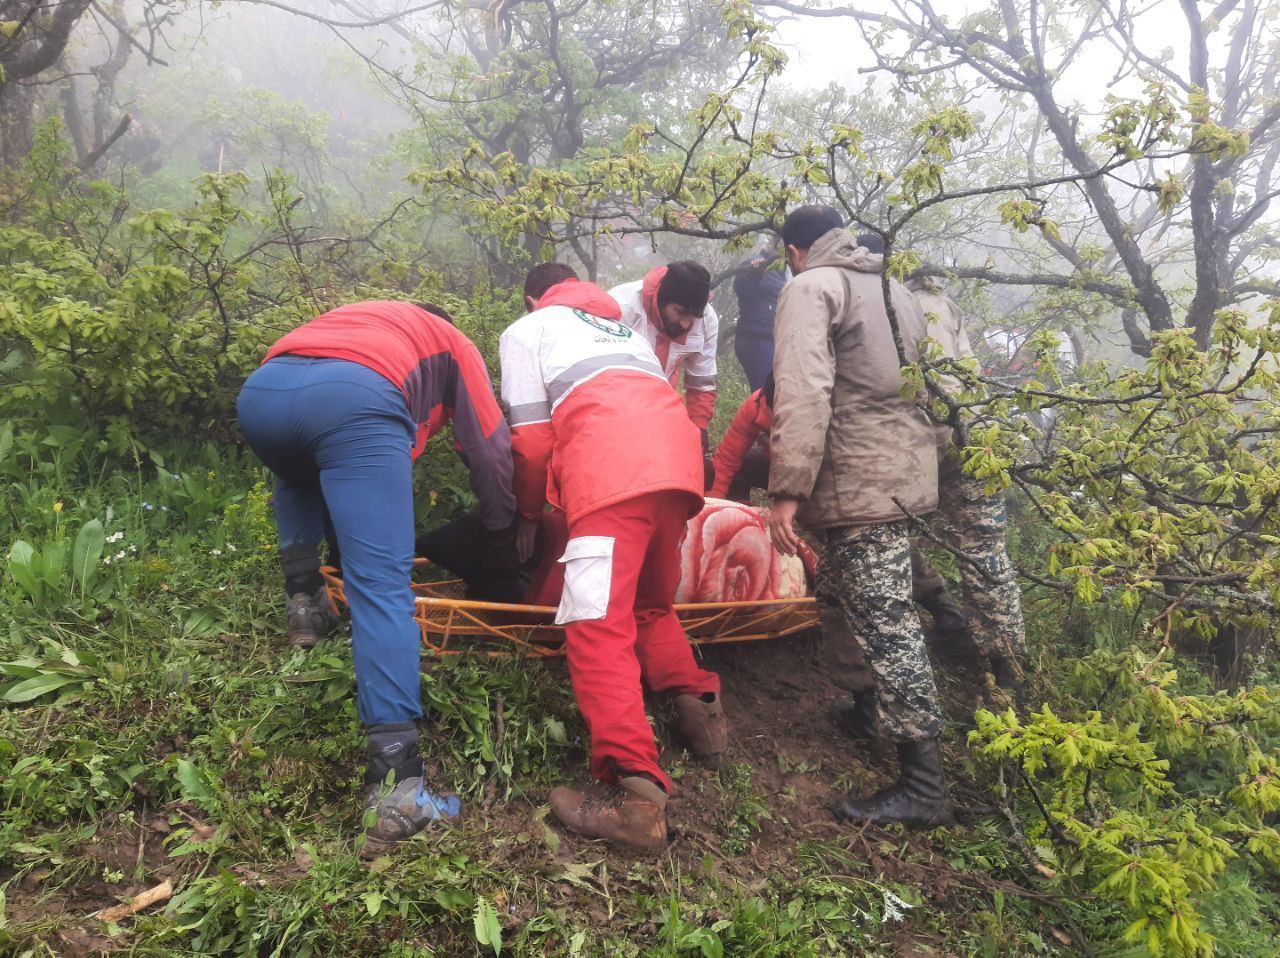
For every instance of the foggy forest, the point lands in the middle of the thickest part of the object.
(1089, 188)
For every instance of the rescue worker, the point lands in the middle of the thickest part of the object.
(742, 465)
(741, 460)
(598, 430)
(851, 459)
(333, 412)
(992, 599)
(670, 308)
(758, 283)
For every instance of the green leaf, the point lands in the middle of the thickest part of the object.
(33, 688)
(488, 928)
(22, 568)
(87, 553)
(194, 785)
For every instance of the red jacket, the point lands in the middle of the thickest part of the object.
(442, 377)
(593, 419)
(753, 417)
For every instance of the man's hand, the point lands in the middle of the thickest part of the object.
(782, 530)
(526, 537)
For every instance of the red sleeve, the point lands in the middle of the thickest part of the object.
(531, 449)
(735, 445)
(701, 404)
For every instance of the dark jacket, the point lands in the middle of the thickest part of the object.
(757, 289)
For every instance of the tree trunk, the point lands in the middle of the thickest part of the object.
(17, 116)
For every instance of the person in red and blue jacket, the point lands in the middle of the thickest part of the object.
(338, 410)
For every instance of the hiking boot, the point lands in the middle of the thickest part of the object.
(309, 618)
(402, 810)
(856, 717)
(1008, 676)
(631, 813)
(396, 791)
(701, 725)
(919, 797)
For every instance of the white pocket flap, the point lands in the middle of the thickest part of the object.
(588, 579)
(588, 547)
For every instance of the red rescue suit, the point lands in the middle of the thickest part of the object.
(753, 419)
(598, 431)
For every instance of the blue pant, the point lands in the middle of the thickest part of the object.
(755, 352)
(338, 434)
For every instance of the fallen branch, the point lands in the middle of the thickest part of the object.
(152, 896)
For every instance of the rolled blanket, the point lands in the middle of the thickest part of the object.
(727, 556)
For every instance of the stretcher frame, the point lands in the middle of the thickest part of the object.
(454, 625)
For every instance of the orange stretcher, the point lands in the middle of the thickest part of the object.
(453, 625)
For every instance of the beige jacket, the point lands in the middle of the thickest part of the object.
(946, 325)
(843, 441)
(946, 322)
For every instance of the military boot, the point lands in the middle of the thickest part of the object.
(919, 797)
(395, 789)
(309, 618)
(631, 813)
(701, 725)
(856, 717)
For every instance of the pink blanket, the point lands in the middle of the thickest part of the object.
(725, 557)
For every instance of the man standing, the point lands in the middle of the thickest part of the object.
(670, 308)
(851, 460)
(757, 285)
(993, 602)
(334, 412)
(598, 430)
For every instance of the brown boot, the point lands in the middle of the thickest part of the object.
(701, 724)
(631, 813)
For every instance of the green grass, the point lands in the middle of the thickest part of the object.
(147, 694)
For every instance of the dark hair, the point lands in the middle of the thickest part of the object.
(545, 275)
(767, 389)
(688, 284)
(439, 311)
(872, 243)
(805, 224)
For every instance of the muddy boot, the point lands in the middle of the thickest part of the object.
(309, 618)
(631, 813)
(701, 725)
(856, 717)
(396, 792)
(1008, 676)
(919, 797)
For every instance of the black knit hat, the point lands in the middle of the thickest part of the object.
(687, 284)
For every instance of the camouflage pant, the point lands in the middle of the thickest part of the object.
(992, 600)
(871, 629)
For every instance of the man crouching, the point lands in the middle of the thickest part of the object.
(588, 402)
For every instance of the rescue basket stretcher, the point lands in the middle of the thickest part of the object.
(453, 625)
